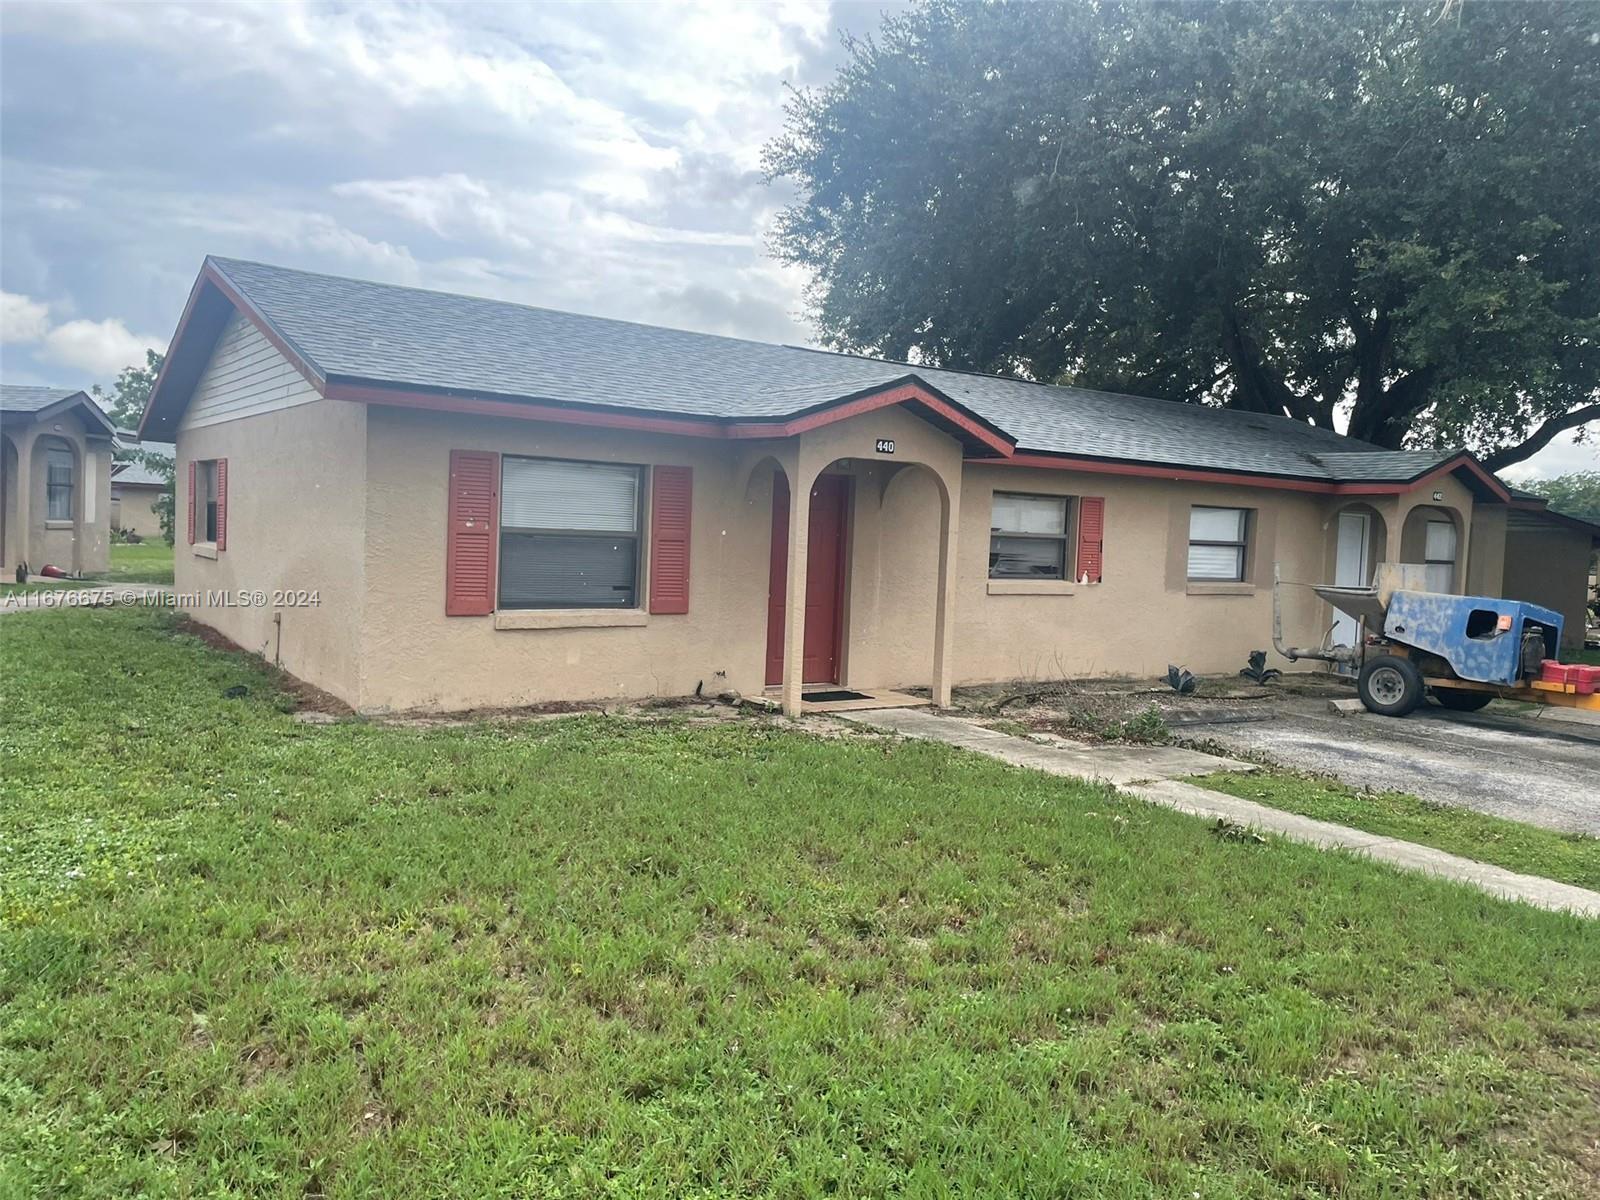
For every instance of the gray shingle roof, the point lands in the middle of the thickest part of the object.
(136, 472)
(356, 330)
(24, 398)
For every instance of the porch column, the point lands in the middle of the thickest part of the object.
(22, 522)
(944, 603)
(801, 477)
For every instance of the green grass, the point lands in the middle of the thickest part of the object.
(1570, 857)
(141, 562)
(245, 956)
(1592, 657)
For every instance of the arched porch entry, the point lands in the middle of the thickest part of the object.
(827, 597)
(1433, 536)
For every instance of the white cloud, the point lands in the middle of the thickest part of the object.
(22, 318)
(99, 348)
(1565, 455)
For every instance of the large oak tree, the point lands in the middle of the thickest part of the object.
(1389, 212)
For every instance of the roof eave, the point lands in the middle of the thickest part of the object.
(211, 300)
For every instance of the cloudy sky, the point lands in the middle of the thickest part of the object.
(602, 158)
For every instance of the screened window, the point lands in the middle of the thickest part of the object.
(569, 534)
(1439, 555)
(205, 500)
(1217, 544)
(58, 483)
(1028, 537)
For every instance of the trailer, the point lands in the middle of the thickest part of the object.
(1463, 650)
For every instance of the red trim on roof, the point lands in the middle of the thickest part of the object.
(1324, 487)
(904, 393)
(525, 410)
(247, 309)
(643, 422)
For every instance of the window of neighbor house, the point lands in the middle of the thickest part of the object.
(1028, 537)
(1217, 544)
(59, 483)
(1439, 556)
(569, 534)
(205, 500)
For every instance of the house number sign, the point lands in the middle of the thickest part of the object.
(884, 446)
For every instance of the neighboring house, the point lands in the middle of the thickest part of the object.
(1549, 559)
(135, 488)
(449, 502)
(55, 480)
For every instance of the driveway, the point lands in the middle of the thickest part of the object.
(1540, 771)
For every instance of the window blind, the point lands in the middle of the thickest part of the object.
(545, 494)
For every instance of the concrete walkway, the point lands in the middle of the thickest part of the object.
(1154, 774)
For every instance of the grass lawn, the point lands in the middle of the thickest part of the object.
(593, 956)
(143, 562)
(1569, 857)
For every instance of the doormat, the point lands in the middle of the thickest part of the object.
(831, 696)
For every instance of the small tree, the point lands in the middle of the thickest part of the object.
(125, 405)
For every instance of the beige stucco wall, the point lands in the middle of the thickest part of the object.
(1143, 616)
(81, 545)
(1550, 566)
(374, 539)
(296, 520)
(135, 508)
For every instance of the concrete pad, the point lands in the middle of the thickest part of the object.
(1570, 716)
(1115, 764)
(1152, 773)
(1346, 708)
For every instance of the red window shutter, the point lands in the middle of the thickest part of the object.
(222, 504)
(1091, 537)
(472, 543)
(671, 496)
(191, 501)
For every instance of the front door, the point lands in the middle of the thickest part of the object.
(825, 567)
(1351, 568)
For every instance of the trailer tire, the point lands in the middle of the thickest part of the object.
(1390, 685)
(1460, 699)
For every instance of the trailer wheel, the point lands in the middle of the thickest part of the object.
(1460, 699)
(1390, 685)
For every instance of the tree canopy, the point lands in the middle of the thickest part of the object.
(1576, 495)
(1385, 213)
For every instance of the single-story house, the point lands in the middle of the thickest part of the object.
(135, 488)
(55, 480)
(422, 500)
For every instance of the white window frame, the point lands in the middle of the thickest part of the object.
(1069, 510)
(636, 536)
(1241, 546)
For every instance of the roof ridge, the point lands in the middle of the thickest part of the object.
(1234, 413)
(222, 262)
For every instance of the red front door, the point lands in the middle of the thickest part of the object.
(830, 507)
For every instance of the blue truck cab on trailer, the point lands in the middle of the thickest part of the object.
(1479, 637)
(1431, 641)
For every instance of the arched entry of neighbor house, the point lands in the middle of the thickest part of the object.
(1359, 540)
(1432, 537)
